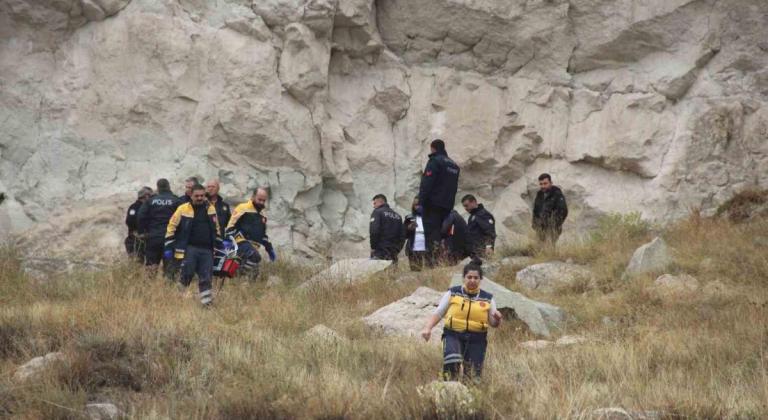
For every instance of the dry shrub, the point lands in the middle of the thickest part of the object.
(745, 205)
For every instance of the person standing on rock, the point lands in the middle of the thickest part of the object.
(248, 226)
(549, 211)
(437, 196)
(193, 233)
(153, 219)
(455, 245)
(481, 226)
(387, 233)
(134, 242)
(188, 184)
(223, 212)
(416, 244)
(467, 311)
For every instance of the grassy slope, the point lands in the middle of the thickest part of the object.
(139, 343)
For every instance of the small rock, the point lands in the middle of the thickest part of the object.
(103, 411)
(615, 413)
(451, 399)
(649, 258)
(36, 366)
(548, 276)
(569, 340)
(680, 283)
(536, 344)
(321, 332)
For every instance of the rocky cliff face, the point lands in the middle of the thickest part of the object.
(656, 106)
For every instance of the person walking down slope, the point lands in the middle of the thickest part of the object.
(416, 242)
(193, 233)
(387, 233)
(437, 195)
(134, 242)
(481, 226)
(549, 211)
(467, 311)
(248, 226)
(153, 219)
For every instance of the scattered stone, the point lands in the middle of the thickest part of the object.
(322, 333)
(548, 276)
(564, 341)
(569, 340)
(37, 366)
(680, 283)
(615, 413)
(652, 257)
(348, 271)
(103, 411)
(541, 318)
(451, 399)
(407, 316)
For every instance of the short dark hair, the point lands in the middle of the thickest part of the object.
(469, 197)
(438, 145)
(380, 196)
(544, 176)
(163, 185)
(192, 179)
(256, 190)
(198, 187)
(475, 265)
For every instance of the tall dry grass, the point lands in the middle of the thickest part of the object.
(141, 344)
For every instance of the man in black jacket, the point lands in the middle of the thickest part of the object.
(248, 226)
(153, 219)
(188, 184)
(134, 242)
(482, 227)
(437, 195)
(386, 231)
(223, 209)
(549, 211)
(416, 243)
(193, 233)
(456, 245)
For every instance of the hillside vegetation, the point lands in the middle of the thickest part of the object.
(155, 353)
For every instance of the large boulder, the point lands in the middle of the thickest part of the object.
(541, 318)
(407, 316)
(348, 271)
(652, 257)
(549, 276)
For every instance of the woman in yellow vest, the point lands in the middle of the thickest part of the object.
(467, 312)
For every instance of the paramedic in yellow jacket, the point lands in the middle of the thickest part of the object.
(193, 233)
(248, 226)
(467, 312)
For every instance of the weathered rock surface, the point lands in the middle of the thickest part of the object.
(549, 276)
(658, 107)
(407, 316)
(652, 257)
(36, 366)
(348, 271)
(677, 284)
(541, 318)
(103, 411)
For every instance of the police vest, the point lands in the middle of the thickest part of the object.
(468, 313)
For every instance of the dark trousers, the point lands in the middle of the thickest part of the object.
(198, 261)
(249, 258)
(548, 235)
(384, 254)
(433, 222)
(135, 247)
(465, 350)
(153, 255)
(417, 259)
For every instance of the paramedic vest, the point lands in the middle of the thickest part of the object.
(468, 313)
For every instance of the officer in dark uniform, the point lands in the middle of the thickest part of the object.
(153, 219)
(482, 227)
(549, 211)
(437, 195)
(456, 245)
(188, 184)
(386, 229)
(248, 226)
(223, 210)
(134, 243)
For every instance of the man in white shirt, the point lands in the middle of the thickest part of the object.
(416, 247)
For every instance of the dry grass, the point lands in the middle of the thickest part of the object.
(137, 342)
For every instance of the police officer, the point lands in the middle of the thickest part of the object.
(455, 245)
(387, 234)
(549, 211)
(134, 243)
(193, 233)
(437, 195)
(482, 227)
(223, 212)
(188, 184)
(153, 219)
(248, 225)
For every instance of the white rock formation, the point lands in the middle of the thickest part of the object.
(652, 257)
(348, 271)
(36, 366)
(549, 276)
(656, 106)
(407, 316)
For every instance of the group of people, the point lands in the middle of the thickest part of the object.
(184, 233)
(435, 233)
